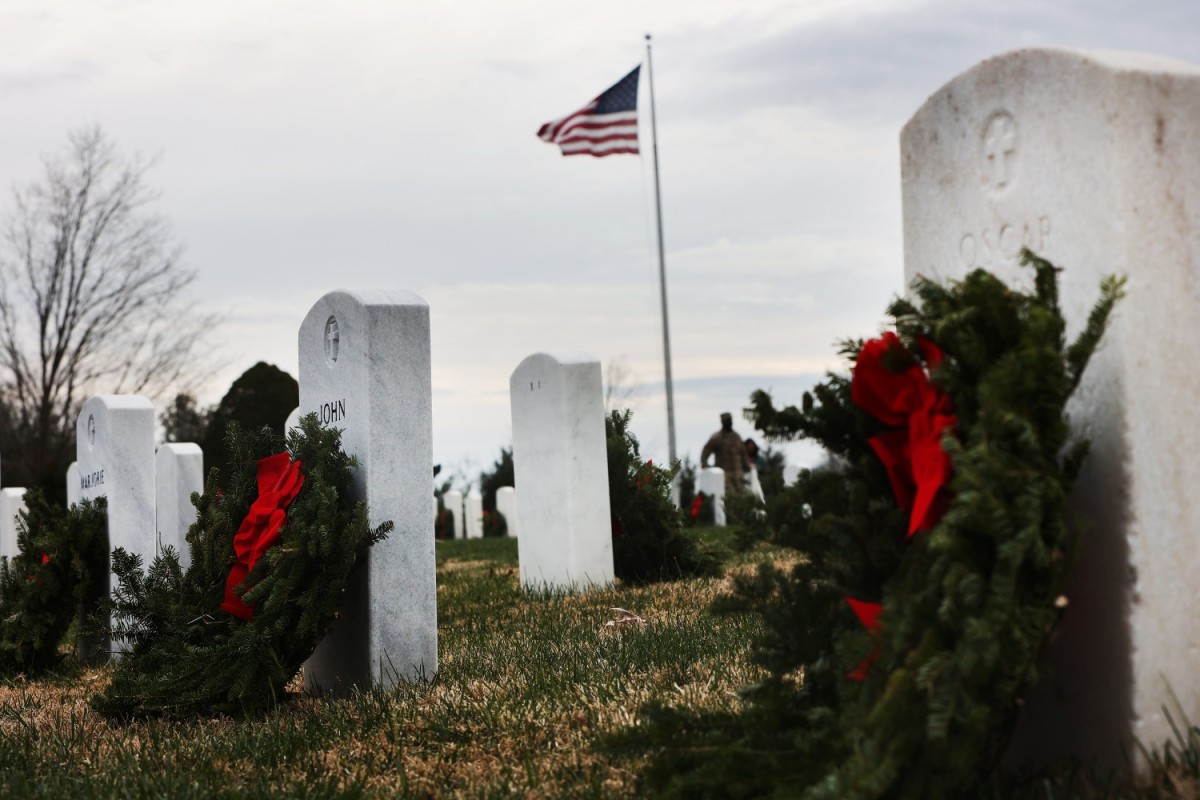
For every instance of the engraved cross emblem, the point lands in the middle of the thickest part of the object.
(332, 340)
(91, 430)
(999, 150)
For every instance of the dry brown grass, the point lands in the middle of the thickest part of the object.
(528, 691)
(508, 735)
(528, 688)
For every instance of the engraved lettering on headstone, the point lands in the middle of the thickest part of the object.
(92, 479)
(999, 151)
(985, 259)
(332, 340)
(1034, 235)
(1003, 241)
(1027, 238)
(966, 250)
(333, 411)
(1010, 242)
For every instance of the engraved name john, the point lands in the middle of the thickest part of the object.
(333, 411)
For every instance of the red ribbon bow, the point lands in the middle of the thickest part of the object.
(917, 466)
(279, 481)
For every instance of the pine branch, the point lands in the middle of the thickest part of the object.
(1112, 289)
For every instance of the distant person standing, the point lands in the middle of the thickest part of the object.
(757, 459)
(729, 452)
(757, 463)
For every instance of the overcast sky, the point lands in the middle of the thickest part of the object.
(306, 147)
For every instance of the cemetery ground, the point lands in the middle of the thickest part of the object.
(530, 689)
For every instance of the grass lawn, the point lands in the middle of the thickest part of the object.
(528, 687)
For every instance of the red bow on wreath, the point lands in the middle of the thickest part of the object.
(904, 398)
(899, 393)
(279, 481)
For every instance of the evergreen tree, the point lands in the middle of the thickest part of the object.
(263, 395)
(770, 477)
(500, 475)
(649, 543)
(184, 421)
(686, 476)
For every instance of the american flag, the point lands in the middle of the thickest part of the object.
(604, 126)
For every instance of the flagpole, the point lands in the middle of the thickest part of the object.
(662, 268)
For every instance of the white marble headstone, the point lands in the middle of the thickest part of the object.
(1092, 159)
(365, 368)
(179, 471)
(114, 451)
(73, 484)
(560, 461)
(791, 473)
(12, 503)
(506, 504)
(711, 481)
(453, 502)
(474, 515)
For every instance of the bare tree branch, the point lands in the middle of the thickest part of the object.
(91, 299)
(620, 385)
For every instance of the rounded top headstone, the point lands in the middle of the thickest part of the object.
(561, 359)
(371, 297)
(181, 448)
(1029, 59)
(336, 329)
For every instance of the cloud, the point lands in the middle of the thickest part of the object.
(878, 65)
(787, 255)
(58, 71)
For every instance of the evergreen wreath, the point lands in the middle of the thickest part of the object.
(58, 576)
(935, 550)
(228, 634)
